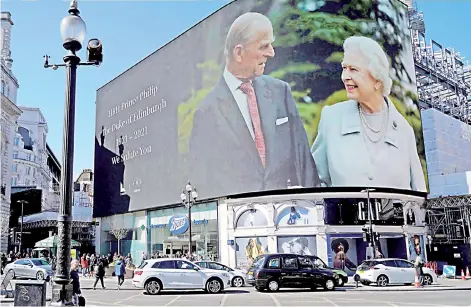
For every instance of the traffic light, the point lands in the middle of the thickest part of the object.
(12, 233)
(376, 236)
(366, 234)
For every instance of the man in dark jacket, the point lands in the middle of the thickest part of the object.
(120, 271)
(99, 274)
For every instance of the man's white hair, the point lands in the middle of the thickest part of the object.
(379, 66)
(243, 29)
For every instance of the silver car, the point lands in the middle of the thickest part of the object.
(35, 268)
(238, 279)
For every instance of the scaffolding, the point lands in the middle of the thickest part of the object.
(443, 83)
(443, 75)
(449, 219)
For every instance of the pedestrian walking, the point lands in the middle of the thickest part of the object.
(84, 264)
(119, 271)
(99, 274)
(74, 275)
(419, 264)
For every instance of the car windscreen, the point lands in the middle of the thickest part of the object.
(39, 262)
(258, 262)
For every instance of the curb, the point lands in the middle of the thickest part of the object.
(407, 289)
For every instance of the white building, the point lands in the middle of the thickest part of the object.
(9, 115)
(34, 162)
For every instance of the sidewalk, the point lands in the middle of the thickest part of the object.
(442, 284)
(111, 283)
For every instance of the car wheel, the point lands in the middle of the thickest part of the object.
(329, 285)
(153, 287)
(214, 286)
(40, 275)
(237, 282)
(273, 285)
(427, 280)
(340, 282)
(382, 280)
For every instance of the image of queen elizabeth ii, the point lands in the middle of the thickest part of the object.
(365, 141)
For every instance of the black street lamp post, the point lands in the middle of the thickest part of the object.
(22, 202)
(370, 219)
(188, 197)
(73, 31)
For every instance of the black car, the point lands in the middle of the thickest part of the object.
(275, 271)
(342, 275)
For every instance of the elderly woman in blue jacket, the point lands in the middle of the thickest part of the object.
(365, 141)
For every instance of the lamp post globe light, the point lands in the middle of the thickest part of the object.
(73, 30)
(188, 197)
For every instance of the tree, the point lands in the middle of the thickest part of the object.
(117, 230)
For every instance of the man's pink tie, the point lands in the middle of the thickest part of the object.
(248, 89)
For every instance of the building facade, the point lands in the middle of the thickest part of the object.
(9, 115)
(34, 164)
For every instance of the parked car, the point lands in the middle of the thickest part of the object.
(238, 278)
(155, 275)
(343, 277)
(391, 271)
(275, 271)
(35, 268)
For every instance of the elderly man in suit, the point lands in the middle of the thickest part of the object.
(365, 141)
(247, 134)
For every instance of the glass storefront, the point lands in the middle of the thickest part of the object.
(169, 232)
(133, 240)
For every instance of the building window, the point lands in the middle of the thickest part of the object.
(26, 181)
(28, 157)
(28, 170)
(34, 172)
(13, 181)
(15, 154)
(17, 141)
(15, 167)
(3, 87)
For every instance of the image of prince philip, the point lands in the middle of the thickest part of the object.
(247, 134)
(365, 141)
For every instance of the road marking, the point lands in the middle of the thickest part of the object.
(224, 299)
(172, 301)
(126, 299)
(329, 301)
(275, 300)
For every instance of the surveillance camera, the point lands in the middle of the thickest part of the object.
(95, 49)
(54, 67)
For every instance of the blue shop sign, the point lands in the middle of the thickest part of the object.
(158, 225)
(200, 222)
(178, 224)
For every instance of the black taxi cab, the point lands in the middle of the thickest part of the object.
(275, 271)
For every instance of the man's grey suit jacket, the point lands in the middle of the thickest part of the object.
(223, 159)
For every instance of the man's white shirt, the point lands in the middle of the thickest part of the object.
(241, 99)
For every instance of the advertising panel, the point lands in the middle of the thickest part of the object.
(301, 245)
(416, 247)
(247, 249)
(263, 95)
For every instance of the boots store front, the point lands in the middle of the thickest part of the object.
(161, 232)
(330, 227)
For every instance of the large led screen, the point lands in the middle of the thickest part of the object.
(263, 95)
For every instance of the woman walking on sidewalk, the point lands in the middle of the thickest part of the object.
(119, 271)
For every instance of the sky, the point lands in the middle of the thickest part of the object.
(130, 31)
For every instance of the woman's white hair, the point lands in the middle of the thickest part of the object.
(243, 30)
(379, 66)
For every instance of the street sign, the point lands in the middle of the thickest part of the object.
(449, 271)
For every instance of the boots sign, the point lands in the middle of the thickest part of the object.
(178, 224)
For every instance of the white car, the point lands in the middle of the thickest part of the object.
(238, 276)
(36, 268)
(155, 275)
(391, 271)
